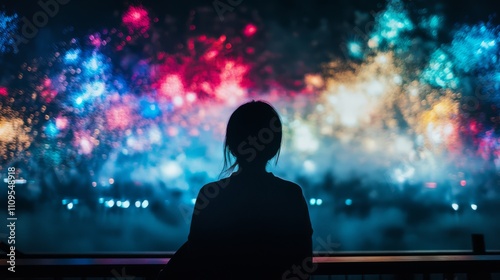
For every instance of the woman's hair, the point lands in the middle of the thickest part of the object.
(253, 135)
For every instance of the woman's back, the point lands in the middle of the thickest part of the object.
(257, 222)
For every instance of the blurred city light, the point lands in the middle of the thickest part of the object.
(126, 204)
(110, 203)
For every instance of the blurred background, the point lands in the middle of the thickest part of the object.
(113, 114)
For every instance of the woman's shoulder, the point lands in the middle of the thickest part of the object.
(275, 181)
(287, 185)
(217, 185)
(283, 181)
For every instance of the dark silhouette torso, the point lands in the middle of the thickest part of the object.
(247, 226)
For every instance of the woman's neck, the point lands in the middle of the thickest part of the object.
(252, 169)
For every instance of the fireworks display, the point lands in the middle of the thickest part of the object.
(126, 106)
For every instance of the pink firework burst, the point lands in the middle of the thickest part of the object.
(48, 93)
(249, 30)
(171, 86)
(3, 91)
(119, 117)
(136, 18)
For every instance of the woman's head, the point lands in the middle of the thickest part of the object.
(253, 135)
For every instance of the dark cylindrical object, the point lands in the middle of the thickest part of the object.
(478, 246)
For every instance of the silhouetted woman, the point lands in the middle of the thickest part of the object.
(252, 224)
